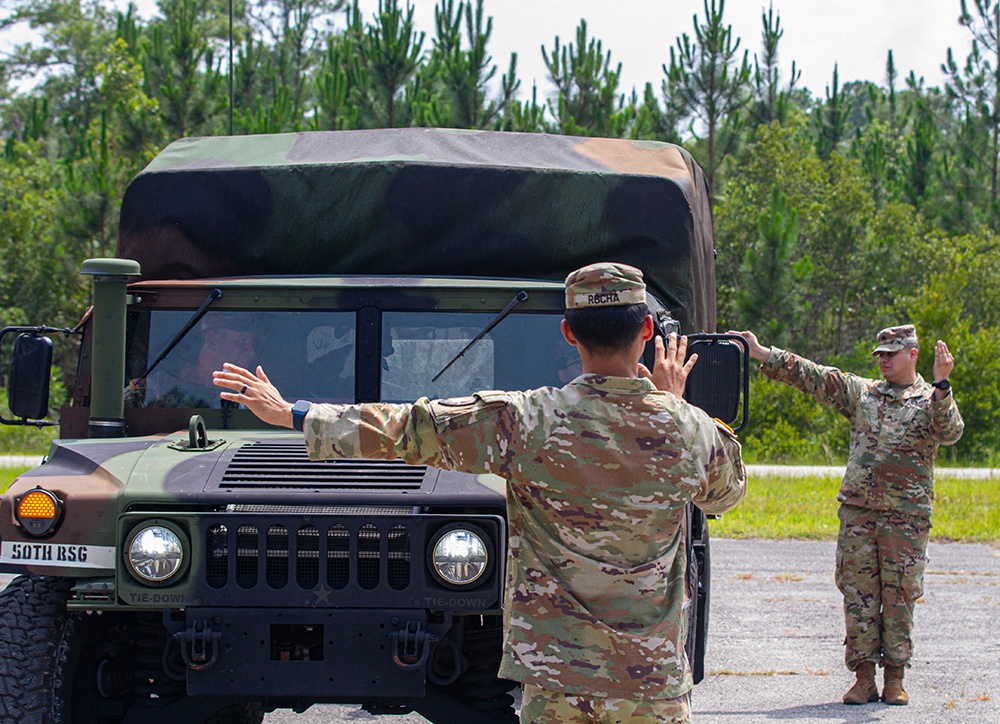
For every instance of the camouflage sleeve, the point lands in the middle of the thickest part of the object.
(724, 482)
(947, 421)
(457, 434)
(826, 384)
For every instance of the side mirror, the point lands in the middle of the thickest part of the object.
(720, 379)
(719, 383)
(30, 369)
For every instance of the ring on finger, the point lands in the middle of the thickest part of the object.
(244, 390)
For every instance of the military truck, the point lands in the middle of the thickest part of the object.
(177, 559)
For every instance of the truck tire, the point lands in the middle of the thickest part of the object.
(479, 686)
(49, 657)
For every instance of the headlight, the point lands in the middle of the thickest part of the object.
(155, 553)
(460, 557)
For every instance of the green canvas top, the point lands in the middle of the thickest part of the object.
(425, 202)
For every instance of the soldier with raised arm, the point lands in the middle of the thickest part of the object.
(897, 424)
(599, 473)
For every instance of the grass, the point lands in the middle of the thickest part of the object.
(967, 511)
(26, 440)
(7, 476)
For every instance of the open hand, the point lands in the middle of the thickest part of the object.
(255, 391)
(756, 350)
(944, 362)
(670, 371)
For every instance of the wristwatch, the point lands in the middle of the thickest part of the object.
(943, 385)
(299, 410)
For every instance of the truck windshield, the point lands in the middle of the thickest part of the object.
(307, 355)
(311, 355)
(524, 351)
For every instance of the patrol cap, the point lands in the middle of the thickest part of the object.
(893, 339)
(606, 284)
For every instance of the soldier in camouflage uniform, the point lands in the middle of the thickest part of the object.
(598, 472)
(897, 425)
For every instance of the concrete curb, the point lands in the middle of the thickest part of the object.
(20, 461)
(798, 471)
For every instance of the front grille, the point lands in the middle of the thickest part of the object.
(338, 555)
(285, 464)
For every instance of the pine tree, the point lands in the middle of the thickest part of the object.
(712, 85)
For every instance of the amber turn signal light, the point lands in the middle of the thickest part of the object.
(38, 511)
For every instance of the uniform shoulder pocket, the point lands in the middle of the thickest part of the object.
(467, 410)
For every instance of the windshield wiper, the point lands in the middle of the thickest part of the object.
(188, 326)
(521, 297)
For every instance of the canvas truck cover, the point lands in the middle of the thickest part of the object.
(425, 202)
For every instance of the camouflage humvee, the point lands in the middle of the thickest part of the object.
(180, 560)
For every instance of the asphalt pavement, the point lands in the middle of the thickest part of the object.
(775, 643)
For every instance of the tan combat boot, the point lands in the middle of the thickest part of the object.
(864, 689)
(893, 692)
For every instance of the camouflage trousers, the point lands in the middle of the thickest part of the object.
(881, 556)
(544, 706)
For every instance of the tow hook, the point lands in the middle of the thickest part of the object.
(199, 645)
(411, 646)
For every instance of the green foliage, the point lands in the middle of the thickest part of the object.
(830, 119)
(39, 265)
(712, 84)
(823, 277)
(465, 72)
(880, 150)
(26, 439)
(388, 60)
(771, 101)
(772, 277)
(791, 428)
(182, 72)
(779, 158)
(959, 304)
(920, 149)
(976, 86)
(524, 117)
(834, 216)
(587, 85)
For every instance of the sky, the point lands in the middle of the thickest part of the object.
(854, 34)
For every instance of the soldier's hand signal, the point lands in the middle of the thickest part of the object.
(944, 362)
(670, 371)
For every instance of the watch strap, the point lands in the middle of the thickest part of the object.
(299, 410)
(943, 385)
